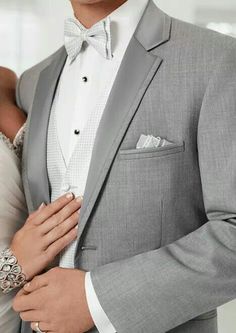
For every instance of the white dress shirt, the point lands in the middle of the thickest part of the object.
(82, 86)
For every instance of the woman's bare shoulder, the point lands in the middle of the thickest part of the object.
(11, 118)
(7, 71)
(7, 77)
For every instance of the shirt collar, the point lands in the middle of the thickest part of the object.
(129, 12)
(124, 21)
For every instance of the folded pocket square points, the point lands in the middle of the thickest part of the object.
(150, 141)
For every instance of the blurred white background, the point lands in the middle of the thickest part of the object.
(31, 30)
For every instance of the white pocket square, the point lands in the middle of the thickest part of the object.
(150, 141)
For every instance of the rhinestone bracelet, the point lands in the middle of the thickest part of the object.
(11, 275)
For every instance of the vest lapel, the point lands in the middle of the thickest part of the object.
(138, 68)
(36, 141)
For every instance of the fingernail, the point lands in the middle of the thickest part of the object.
(79, 199)
(42, 205)
(69, 195)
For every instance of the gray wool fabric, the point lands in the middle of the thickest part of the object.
(158, 226)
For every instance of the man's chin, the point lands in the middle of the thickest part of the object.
(87, 2)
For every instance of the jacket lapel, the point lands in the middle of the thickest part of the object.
(138, 68)
(36, 141)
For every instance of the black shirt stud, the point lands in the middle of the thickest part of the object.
(77, 132)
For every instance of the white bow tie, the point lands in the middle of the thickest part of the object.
(99, 36)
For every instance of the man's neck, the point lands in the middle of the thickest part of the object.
(89, 14)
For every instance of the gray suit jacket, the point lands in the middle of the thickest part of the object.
(162, 221)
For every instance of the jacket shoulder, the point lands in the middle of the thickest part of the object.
(28, 81)
(201, 38)
(198, 46)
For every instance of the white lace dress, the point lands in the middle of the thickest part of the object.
(12, 216)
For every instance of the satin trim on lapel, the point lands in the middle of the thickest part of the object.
(36, 165)
(153, 28)
(134, 76)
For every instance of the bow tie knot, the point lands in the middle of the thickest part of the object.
(99, 36)
(84, 34)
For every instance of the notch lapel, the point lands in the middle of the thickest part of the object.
(35, 149)
(137, 69)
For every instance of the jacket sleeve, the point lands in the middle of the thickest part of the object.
(161, 289)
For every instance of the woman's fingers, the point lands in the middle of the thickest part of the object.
(33, 214)
(42, 215)
(61, 243)
(61, 229)
(61, 216)
(66, 212)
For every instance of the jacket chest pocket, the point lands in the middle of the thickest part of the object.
(127, 154)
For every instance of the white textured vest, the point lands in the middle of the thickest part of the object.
(72, 177)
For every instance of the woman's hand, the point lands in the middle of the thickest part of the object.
(46, 232)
